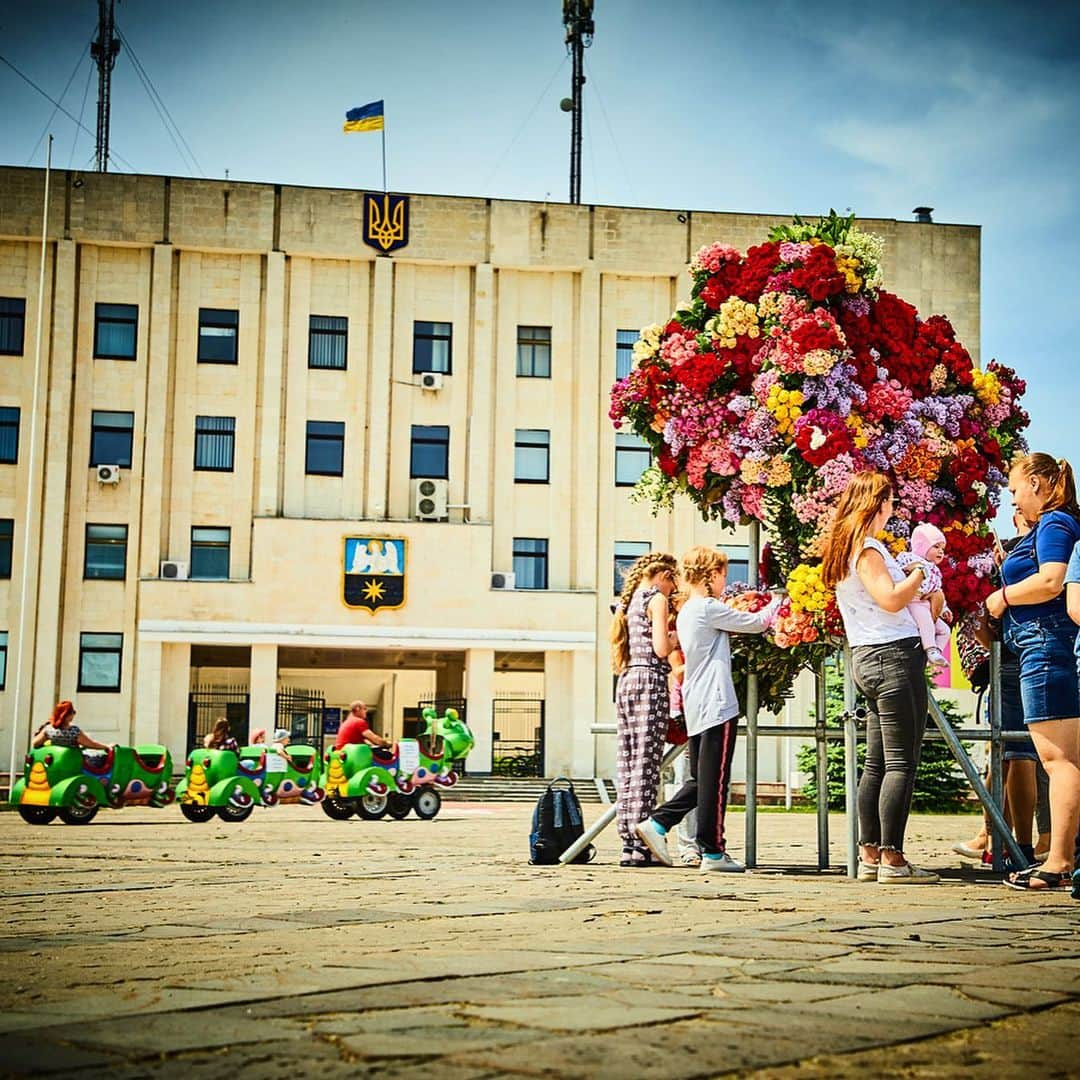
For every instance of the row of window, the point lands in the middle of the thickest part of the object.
(628, 551)
(116, 329)
(105, 551)
(324, 455)
(100, 657)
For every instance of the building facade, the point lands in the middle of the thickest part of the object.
(272, 470)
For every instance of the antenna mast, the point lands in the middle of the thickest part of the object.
(104, 51)
(578, 20)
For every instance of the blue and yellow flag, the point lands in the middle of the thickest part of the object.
(366, 118)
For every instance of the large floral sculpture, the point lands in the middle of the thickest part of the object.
(789, 370)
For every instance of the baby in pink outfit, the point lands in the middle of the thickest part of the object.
(928, 549)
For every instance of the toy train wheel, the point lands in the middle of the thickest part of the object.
(338, 809)
(196, 811)
(78, 815)
(372, 807)
(37, 815)
(398, 806)
(235, 814)
(426, 803)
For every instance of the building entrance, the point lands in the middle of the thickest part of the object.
(301, 713)
(517, 747)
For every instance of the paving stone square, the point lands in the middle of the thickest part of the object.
(292, 945)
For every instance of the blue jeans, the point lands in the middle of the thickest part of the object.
(892, 678)
(1045, 647)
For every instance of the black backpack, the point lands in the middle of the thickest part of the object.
(556, 824)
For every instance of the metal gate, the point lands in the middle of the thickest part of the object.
(300, 712)
(207, 703)
(440, 705)
(517, 738)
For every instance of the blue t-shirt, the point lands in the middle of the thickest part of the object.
(1051, 541)
(1072, 577)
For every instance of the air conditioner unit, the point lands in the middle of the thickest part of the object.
(500, 579)
(431, 380)
(171, 570)
(108, 474)
(429, 499)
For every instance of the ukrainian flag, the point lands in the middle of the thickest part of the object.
(366, 118)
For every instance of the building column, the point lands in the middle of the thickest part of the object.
(479, 703)
(162, 688)
(569, 708)
(380, 358)
(262, 689)
(271, 382)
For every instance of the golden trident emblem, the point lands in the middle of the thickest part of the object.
(386, 226)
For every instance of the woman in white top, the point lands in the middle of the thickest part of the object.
(710, 706)
(872, 592)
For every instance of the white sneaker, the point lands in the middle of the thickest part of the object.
(905, 875)
(654, 840)
(935, 659)
(721, 864)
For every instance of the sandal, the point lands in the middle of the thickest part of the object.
(1050, 881)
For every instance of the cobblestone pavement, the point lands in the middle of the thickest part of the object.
(292, 945)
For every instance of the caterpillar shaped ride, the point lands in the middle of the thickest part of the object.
(371, 782)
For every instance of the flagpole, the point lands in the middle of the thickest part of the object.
(384, 187)
(21, 651)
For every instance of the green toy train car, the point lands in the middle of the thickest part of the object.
(372, 782)
(74, 784)
(230, 785)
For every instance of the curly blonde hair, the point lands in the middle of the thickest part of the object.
(700, 563)
(655, 562)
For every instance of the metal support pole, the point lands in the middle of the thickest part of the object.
(975, 780)
(822, 747)
(997, 771)
(608, 816)
(750, 841)
(851, 767)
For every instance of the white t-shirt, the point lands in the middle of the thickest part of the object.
(708, 689)
(866, 622)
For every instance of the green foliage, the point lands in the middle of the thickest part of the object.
(940, 787)
(833, 230)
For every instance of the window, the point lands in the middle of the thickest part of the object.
(325, 448)
(738, 567)
(9, 435)
(217, 335)
(106, 552)
(328, 339)
(215, 439)
(115, 331)
(3, 659)
(534, 352)
(99, 662)
(7, 540)
(210, 553)
(627, 552)
(110, 438)
(624, 352)
(429, 454)
(632, 458)
(532, 451)
(431, 347)
(530, 563)
(12, 326)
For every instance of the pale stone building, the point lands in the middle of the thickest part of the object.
(257, 373)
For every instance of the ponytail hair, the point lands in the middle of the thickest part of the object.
(61, 711)
(858, 506)
(700, 563)
(619, 635)
(1057, 474)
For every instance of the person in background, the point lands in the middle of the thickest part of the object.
(1037, 628)
(873, 592)
(58, 730)
(356, 729)
(221, 737)
(640, 644)
(712, 710)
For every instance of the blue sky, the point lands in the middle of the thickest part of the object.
(792, 107)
